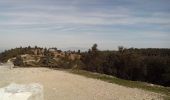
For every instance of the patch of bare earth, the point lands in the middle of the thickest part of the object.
(60, 85)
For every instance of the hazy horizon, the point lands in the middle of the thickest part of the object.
(81, 23)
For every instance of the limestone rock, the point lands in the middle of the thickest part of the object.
(22, 92)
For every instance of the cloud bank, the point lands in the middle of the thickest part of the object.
(80, 23)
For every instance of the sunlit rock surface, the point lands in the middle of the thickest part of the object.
(8, 65)
(22, 92)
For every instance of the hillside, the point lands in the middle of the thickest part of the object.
(150, 65)
(36, 56)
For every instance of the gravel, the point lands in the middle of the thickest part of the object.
(61, 85)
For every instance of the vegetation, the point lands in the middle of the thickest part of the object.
(131, 64)
(147, 65)
(18, 61)
(7, 54)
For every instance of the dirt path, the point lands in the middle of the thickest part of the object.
(60, 85)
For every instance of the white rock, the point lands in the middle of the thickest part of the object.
(22, 92)
(8, 65)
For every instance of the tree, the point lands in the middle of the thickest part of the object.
(94, 47)
(78, 51)
(121, 49)
(93, 60)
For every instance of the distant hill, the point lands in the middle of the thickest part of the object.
(75, 49)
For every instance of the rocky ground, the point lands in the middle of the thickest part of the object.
(61, 85)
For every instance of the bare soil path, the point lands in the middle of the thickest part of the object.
(61, 85)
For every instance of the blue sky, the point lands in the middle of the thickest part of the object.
(81, 23)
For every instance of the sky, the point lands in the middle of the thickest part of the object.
(81, 23)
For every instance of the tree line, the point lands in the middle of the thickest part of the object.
(149, 65)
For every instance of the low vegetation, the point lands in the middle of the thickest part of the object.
(147, 65)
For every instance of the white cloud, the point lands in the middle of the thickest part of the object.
(61, 15)
(65, 18)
